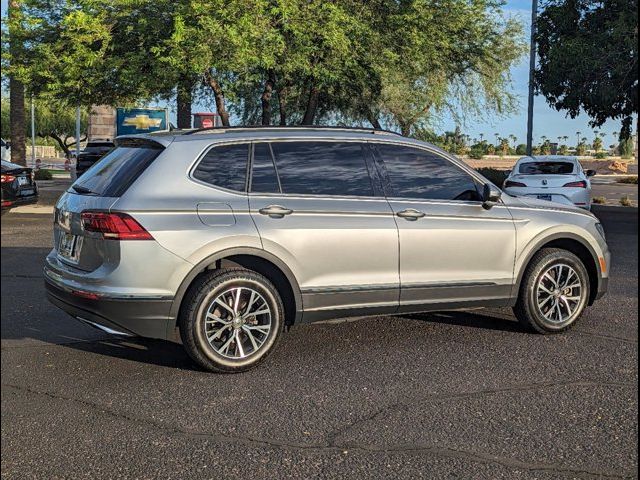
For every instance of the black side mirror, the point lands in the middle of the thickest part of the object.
(591, 173)
(490, 196)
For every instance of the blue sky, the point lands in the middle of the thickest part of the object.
(547, 121)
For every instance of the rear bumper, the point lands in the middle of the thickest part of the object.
(131, 316)
(10, 203)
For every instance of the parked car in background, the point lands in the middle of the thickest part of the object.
(552, 178)
(92, 152)
(223, 237)
(5, 150)
(18, 186)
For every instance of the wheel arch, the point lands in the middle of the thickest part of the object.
(254, 259)
(574, 244)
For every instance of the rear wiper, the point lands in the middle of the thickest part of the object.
(83, 190)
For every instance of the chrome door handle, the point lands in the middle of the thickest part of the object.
(275, 211)
(411, 214)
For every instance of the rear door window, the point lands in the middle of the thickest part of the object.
(546, 168)
(112, 175)
(224, 166)
(322, 168)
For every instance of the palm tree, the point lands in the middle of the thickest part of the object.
(578, 135)
(16, 98)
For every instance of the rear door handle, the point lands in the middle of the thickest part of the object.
(275, 211)
(411, 214)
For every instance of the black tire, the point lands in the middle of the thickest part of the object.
(200, 299)
(527, 311)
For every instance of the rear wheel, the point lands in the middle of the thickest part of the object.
(554, 291)
(231, 320)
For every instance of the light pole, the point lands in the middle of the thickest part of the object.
(77, 132)
(33, 132)
(532, 67)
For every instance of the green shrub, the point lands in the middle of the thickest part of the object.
(493, 175)
(43, 175)
(476, 152)
(601, 155)
(629, 180)
(521, 149)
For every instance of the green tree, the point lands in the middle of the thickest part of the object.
(53, 121)
(575, 73)
(597, 143)
(521, 149)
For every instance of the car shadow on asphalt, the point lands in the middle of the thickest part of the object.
(482, 319)
(161, 353)
(172, 355)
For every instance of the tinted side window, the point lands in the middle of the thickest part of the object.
(322, 168)
(224, 166)
(263, 175)
(416, 173)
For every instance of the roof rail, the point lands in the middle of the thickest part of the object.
(291, 127)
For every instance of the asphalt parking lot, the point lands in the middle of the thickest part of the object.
(449, 395)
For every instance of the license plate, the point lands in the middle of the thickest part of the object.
(69, 246)
(545, 197)
(28, 191)
(23, 181)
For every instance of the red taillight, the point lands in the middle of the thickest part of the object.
(7, 203)
(8, 178)
(580, 184)
(87, 295)
(511, 183)
(114, 226)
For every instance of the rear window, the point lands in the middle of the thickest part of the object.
(114, 173)
(546, 168)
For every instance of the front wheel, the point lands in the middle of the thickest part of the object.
(231, 320)
(554, 291)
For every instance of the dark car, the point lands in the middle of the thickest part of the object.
(18, 186)
(93, 152)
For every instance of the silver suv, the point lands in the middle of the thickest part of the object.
(223, 237)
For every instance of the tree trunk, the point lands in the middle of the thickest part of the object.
(16, 98)
(266, 97)
(62, 143)
(282, 104)
(184, 97)
(312, 106)
(375, 123)
(219, 98)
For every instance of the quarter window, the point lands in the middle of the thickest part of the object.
(416, 173)
(224, 166)
(322, 168)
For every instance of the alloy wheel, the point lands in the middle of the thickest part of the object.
(559, 293)
(238, 322)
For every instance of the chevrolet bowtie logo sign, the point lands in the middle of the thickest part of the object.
(142, 122)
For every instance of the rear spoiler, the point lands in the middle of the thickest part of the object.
(143, 141)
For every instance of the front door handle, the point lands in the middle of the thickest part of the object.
(411, 214)
(275, 211)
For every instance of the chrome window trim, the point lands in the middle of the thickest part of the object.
(194, 165)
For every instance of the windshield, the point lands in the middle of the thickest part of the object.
(116, 171)
(546, 168)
